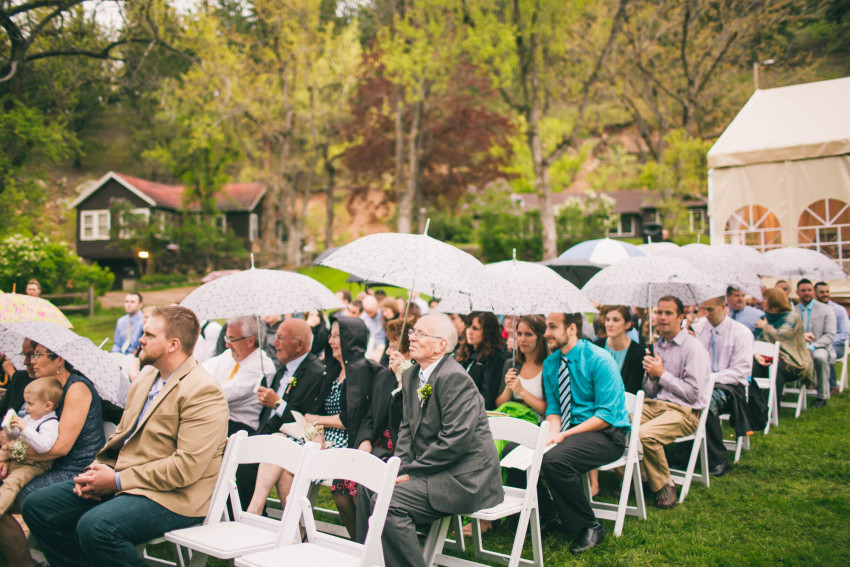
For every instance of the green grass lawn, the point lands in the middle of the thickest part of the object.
(787, 502)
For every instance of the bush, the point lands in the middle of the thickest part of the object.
(53, 264)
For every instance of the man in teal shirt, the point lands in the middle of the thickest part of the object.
(586, 410)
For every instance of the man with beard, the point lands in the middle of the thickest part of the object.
(156, 472)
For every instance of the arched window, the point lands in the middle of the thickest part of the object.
(755, 226)
(825, 226)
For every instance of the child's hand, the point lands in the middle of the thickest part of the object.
(18, 422)
(4, 468)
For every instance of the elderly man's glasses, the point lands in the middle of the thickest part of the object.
(417, 334)
(229, 341)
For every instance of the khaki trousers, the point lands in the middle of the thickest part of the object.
(18, 476)
(660, 424)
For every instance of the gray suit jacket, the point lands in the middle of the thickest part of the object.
(447, 441)
(822, 326)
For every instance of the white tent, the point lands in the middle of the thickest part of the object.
(780, 173)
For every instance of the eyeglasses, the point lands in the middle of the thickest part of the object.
(229, 341)
(417, 334)
(35, 355)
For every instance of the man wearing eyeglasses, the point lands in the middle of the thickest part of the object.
(239, 369)
(448, 458)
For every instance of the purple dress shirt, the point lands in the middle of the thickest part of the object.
(734, 350)
(686, 372)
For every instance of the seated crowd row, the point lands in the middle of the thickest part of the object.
(388, 382)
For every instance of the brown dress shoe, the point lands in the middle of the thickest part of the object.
(667, 497)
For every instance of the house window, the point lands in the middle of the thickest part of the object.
(221, 223)
(131, 217)
(755, 226)
(696, 221)
(94, 225)
(624, 226)
(825, 226)
(253, 227)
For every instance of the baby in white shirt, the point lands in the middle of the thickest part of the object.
(38, 429)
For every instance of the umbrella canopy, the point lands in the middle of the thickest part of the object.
(97, 365)
(321, 257)
(260, 292)
(10, 346)
(725, 263)
(412, 261)
(603, 251)
(641, 281)
(577, 272)
(798, 263)
(212, 276)
(15, 307)
(749, 255)
(654, 248)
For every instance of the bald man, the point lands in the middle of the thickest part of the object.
(300, 384)
(375, 323)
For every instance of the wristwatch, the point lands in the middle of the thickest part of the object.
(278, 402)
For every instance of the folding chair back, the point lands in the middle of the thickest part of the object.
(698, 452)
(842, 378)
(355, 466)
(771, 352)
(630, 462)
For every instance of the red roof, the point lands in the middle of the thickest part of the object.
(232, 197)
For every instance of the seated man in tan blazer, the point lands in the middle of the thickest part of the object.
(156, 472)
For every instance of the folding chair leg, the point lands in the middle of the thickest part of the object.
(435, 540)
(628, 476)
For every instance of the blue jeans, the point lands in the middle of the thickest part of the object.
(76, 532)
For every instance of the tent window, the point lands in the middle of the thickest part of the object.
(755, 226)
(825, 226)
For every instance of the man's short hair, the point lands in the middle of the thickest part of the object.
(719, 300)
(346, 295)
(781, 281)
(46, 390)
(803, 282)
(35, 283)
(819, 284)
(576, 319)
(137, 294)
(680, 307)
(729, 290)
(247, 326)
(181, 324)
(444, 328)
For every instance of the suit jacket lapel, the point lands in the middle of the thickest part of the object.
(179, 374)
(418, 408)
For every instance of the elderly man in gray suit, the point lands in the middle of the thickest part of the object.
(819, 327)
(449, 463)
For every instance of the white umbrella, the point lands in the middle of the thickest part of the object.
(641, 281)
(724, 264)
(259, 292)
(798, 263)
(97, 365)
(752, 257)
(412, 261)
(10, 346)
(603, 251)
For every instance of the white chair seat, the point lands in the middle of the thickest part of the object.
(226, 540)
(512, 504)
(301, 554)
(621, 462)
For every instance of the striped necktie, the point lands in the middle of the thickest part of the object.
(565, 393)
(712, 349)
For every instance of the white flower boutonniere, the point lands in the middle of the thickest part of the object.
(423, 394)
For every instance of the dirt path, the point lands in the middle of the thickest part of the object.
(151, 298)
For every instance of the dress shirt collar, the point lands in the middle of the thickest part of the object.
(575, 352)
(678, 339)
(293, 365)
(426, 372)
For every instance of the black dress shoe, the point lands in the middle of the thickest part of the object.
(591, 536)
(720, 469)
(819, 403)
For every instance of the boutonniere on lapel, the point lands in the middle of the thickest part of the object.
(291, 385)
(423, 394)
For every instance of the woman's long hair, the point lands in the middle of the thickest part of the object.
(537, 324)
(492, 340)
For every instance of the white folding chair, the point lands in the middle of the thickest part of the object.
(771, 351)
(522, 501)
(246, 533)
(630, 461)
(842, 377)
(699, 451)
(327, 549)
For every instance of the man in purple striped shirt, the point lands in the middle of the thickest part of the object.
(676, 386)
(730, 352)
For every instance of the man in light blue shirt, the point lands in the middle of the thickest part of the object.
(842, 329)
(739, 310)
(586, 410)
(128, 329)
